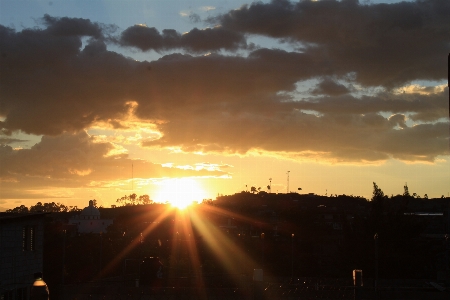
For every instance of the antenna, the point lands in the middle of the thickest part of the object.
(287, 191)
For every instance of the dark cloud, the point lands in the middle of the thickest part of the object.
(80, 160)
(72, 27)
(343, 137)
(51, 85)
(209, 39)
(433, 105)
(330, 87)
(194, 18)
(383, 44)
(59, 87)
(398, 119)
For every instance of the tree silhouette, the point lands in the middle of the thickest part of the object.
(377, 193)
(144, 199)
(49, 207)
(18, 209)
(133, 199)
(43, 207)
(406, 191)
(377, 200)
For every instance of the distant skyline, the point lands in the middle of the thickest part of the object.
(191, 99)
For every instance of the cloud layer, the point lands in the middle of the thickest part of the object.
(383, 44)
(61, 79)
(196, 40)
(78, 160)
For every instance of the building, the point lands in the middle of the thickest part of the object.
(90, 221)
(21, 253)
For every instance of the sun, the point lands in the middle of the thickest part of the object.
(180, 192)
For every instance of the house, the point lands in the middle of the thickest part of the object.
(89, 220)
(21, 253)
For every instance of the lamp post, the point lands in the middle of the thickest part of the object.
(178, 255)
(262, 242)
(375, 238)
(292, 256)
(446, 243)
(101, 253)
(63, 256)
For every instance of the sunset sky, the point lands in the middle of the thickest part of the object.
(99, 99)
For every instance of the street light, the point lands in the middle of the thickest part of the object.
(64, 255)
(262, 239)
(446, 243)
(292, 256)
(375, 237)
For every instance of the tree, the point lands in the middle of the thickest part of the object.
(19, 209)
(74, 208)
(133, 199)
(37, 208)
(122, 200)
(253, 189)
(63, 208)
(377, 201)
(144, 199)
(48, 207)
(406, 191)
(377, 193)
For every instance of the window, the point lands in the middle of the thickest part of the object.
(28, 238)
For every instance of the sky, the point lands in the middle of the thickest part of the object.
(192, 99)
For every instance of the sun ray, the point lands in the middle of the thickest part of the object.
(231, 256)
(118, 259)
(227, 251)
(186, 231)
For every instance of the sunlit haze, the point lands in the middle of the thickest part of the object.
(180, 192)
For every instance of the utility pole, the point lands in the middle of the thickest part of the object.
(287, 191)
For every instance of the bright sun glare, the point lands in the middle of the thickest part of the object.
(180, 192)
